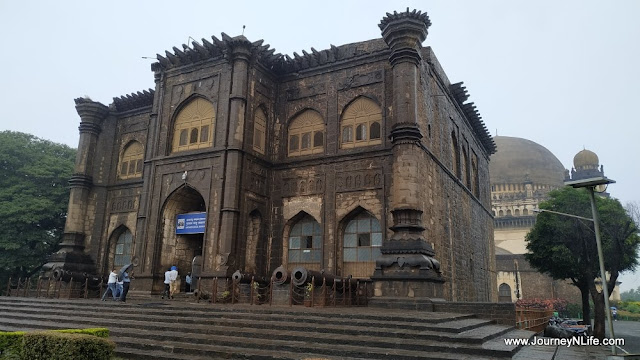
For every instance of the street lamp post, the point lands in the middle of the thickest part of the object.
(590, 184)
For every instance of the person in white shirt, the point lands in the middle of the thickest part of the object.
(111, 285)
(167, 283)
(173, 277)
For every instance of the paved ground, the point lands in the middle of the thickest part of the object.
(630, 332)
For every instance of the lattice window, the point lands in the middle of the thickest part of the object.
(306, 134)
(193, 128)
(131, 161)
(362, 239)
(124, 249)
(361, 124)
(305, 241)
(259, 131)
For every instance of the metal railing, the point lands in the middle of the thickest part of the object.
(51, 288)
(342, 292)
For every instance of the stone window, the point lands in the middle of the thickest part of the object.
(193, 127)
(465, 169)
(361, 124)
(259, 130)
(306, 134)
(124, 249)
(361, 245)
(475, 178)
(455, 154)
(131, 161)
(305, 242)
(504, 293)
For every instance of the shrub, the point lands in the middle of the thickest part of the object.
(625, 315)
(99, 332)
(61, 346)
(10, 344)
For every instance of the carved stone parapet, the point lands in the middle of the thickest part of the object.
(91, 111)
(80, 181)
(405, 133)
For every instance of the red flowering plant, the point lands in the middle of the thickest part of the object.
(542, 304)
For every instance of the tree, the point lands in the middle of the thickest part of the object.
(630, 295)
(33, 201)
(565, 247)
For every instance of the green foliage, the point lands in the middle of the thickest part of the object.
(33, 201)
(572, 311)
(565, 247)
(10, 345)
(61, 346)
(629, 316)
(630, 306)
(630, 295)
(98, 332)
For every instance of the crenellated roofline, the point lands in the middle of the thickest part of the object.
(472, 114)
(133, 101)
(278, 63)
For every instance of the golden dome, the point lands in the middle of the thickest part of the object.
(586, 159)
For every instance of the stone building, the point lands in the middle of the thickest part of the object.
(522, 175)
(361, 159)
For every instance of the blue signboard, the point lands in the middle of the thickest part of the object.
(192, 223)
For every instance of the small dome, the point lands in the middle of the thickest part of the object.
(586, 159)
(520, 160)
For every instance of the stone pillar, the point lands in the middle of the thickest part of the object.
(240, 54)
(71, 257)
(407, 267)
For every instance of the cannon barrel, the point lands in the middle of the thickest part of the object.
(301, 276)
(280, 275)
(245, 278)
(203, 294)
(67, 275)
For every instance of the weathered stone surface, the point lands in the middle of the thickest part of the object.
(254, 197)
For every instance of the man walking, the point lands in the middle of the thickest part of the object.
(126, 282)
(173, 281)
(111, 285)
(167, 284)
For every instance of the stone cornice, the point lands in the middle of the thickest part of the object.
(229, 47)
(472, 114)
(133, 101)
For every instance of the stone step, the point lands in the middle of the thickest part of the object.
(187, 328)
(203, 332)
(326, 312)
(444, 331)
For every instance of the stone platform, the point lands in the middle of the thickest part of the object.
(157, 329)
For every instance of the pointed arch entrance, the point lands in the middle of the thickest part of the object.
(361, 236)
(179, 247)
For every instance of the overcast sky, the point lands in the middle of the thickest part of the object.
(564, 74)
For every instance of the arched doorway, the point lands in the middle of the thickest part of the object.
(120, 249)
(182, 231)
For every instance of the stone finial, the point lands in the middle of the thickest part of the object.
(404, 34)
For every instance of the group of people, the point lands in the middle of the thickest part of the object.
(118, 286)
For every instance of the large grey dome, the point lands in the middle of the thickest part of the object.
(519, 160)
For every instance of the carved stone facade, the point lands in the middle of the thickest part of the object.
(257, 141)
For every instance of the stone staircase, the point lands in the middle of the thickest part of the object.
(155, 329)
